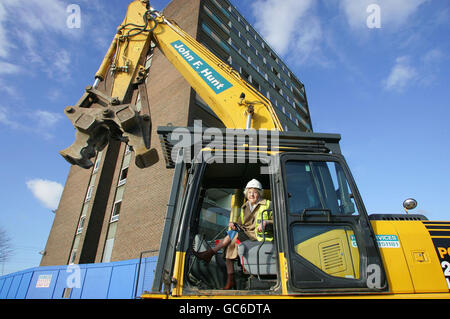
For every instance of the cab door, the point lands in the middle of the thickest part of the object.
(328, 240)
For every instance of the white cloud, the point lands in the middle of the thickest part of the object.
(394, 13)
(47, 192)
(289, 26)
(4, 44)
(10, 90)
(431, 66)
(47, 119)
(39, 15)
(278, 26)
(307, 42)
(34, 28)
(5, 119)
(60, 66)
(35, 34)
(422, 70)
(43, 122)
(433, 57)
(401, 75)
(8, 68)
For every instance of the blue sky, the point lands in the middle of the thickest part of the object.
(385, 90)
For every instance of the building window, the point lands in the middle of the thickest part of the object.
(109, 243)
(233, 44)
(252, 63)
(233, 13)
(215, 37)
(235, 31)
(108, 250)
(123, 176)
(262, 73)
(277, 74)
(81, 225)
(252, 33)
(242, 23)
(256, 85)
(236, 66)
(252, 48)
(116, 211)
(96, 165)
(73, 255)
(216, 20)
(263, 91)
(246, 76)
(97, 162)
(89, 193)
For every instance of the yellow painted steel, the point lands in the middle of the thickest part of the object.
(178, 273)
(126, 52)
(236, 202)
(332, 252)
(284, 273)
(396, 267)
(414, 266)
(305, 297)
(410, 275)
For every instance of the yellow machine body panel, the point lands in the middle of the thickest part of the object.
(333, 252)
(409, 257)
(411, 263)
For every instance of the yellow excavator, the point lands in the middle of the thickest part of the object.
(324, 242)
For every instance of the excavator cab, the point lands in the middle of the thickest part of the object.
(322, 238)
(219, 198)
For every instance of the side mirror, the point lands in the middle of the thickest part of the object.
(409, 204)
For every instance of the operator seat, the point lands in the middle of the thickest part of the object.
(258, 258)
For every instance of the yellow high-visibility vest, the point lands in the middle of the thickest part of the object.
(261, 215)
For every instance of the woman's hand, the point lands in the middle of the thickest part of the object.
(260, 227)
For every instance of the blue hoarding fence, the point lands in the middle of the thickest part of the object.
(115, 280)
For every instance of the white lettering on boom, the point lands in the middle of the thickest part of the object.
(184, 52)
(207, 74)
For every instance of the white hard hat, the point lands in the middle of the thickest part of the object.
(254, 184)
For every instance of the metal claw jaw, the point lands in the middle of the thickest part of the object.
(83, 149)
(97, 119)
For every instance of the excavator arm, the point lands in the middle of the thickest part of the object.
(98, 116)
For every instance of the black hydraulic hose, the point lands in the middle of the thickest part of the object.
(140, 28)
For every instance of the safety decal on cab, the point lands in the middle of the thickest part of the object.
(383, 241)
(211, 77)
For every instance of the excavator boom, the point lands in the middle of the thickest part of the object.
(99, 116)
